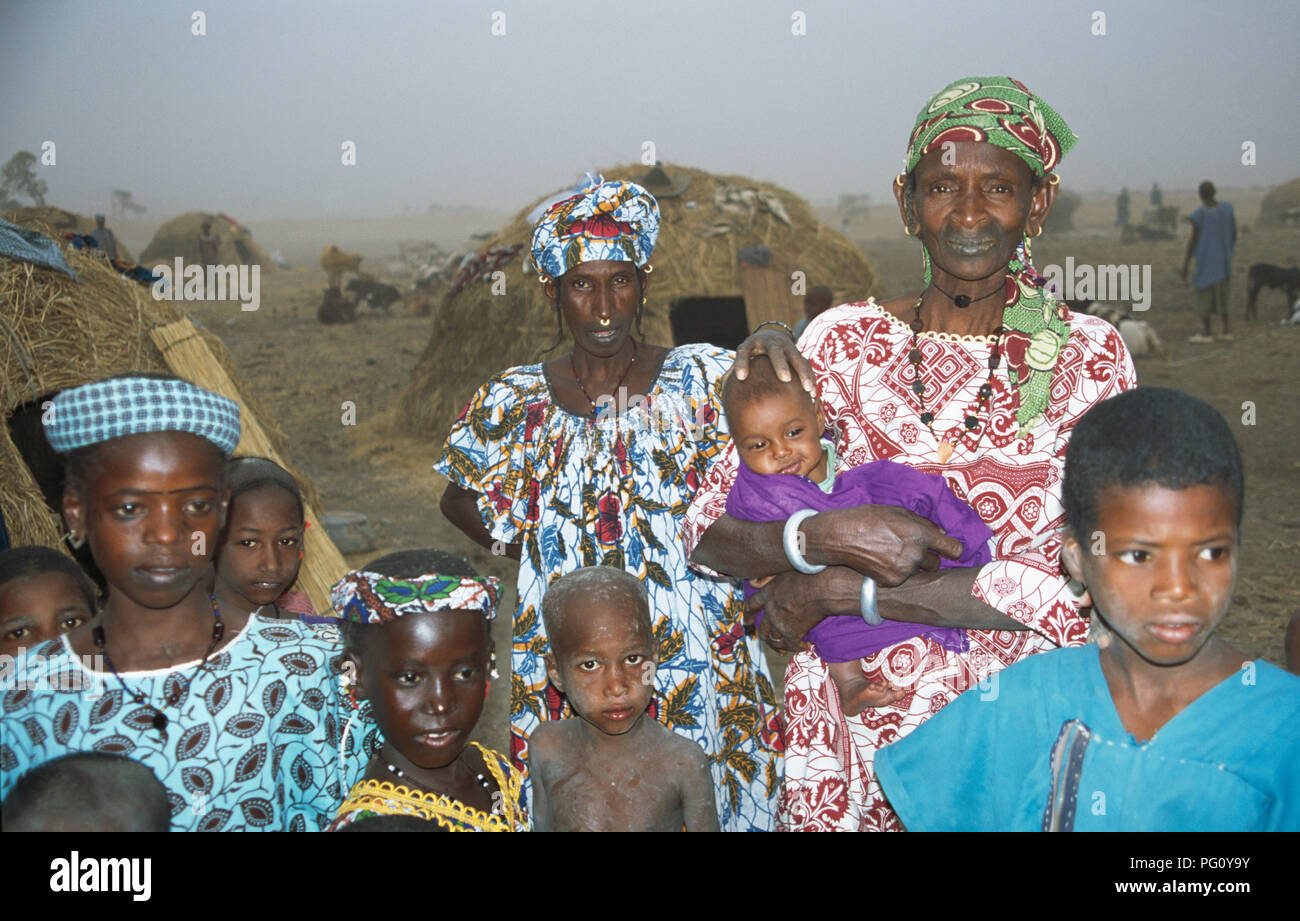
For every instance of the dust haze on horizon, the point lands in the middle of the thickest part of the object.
(250, 118)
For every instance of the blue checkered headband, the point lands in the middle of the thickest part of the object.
(93, 413)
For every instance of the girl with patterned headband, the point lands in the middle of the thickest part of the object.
(590, 459)
(239, 717)
(979, 377)
(418, 647)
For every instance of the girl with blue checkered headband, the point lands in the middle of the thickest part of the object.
(240, 717)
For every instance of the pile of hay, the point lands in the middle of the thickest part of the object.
(57, 332)
(1278, 203)
(477, 334)
(55, 222)
(180, 237)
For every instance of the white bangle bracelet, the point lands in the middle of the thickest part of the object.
(867, 603)
(790, 539)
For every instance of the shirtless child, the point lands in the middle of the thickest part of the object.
(611, 768)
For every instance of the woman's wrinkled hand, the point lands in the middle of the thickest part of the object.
(794, 603)
(780, 348)
(885, 542)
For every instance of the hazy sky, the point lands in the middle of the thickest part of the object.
(249, 118)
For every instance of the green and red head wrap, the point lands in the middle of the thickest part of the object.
(995, 110)
(1002, 111)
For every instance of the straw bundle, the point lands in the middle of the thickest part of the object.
(477, 334)
(57, 332)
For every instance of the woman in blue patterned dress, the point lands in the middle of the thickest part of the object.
(591, 459)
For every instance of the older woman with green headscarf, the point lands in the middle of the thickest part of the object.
(979, 377)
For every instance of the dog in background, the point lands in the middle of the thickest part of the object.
(1139, 336)
(1262, 275)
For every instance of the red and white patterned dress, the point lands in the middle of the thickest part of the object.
(859, 353)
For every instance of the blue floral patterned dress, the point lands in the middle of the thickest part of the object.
(263, 741)
(577, 491)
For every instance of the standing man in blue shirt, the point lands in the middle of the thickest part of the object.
(1214, 234)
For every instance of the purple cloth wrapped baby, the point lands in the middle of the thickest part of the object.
(844, 638)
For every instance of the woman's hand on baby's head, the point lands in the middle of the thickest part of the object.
(780, 348)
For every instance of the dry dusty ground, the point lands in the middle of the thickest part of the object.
(303, 372)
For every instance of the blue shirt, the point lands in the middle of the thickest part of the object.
(1214, 244)
(264, 740)
(1046, 729)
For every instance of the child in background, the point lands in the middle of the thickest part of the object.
(88, 791)
(1165, 727)
(43, 593)
(417, 638)
(261, 546)
(786, 465)
(239, 718)
(611, 768)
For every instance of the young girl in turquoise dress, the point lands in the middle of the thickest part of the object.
(1161, 725)
(416, 627)
(240, 718)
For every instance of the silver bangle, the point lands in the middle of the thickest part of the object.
(867, 603)
(790, 540)
(773, 323)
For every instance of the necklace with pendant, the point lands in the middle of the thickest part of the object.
(159, 720)
(971, 421)
(577, 377)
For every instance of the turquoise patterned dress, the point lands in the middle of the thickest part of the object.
(577, 491)
(264, 740)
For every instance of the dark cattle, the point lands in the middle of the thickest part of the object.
(377, 294)
(335, 308)
(1262, 275)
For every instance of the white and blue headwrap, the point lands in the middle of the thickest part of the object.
(374, 598)
(93, 413)
(615, 220)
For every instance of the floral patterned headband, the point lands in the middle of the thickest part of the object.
(373, 598)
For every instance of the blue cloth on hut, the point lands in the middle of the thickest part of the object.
(31, 246)
(128, 269)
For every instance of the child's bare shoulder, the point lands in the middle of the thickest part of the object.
(678, 751)
(549, 741)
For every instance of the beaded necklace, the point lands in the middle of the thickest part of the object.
(918, 385)
(483, 781)
(159, 721)
(577, 377)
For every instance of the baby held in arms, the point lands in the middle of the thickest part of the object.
(787, 466)
(612, 767)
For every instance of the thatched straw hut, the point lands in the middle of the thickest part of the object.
(58, 332)
(1282, 205)
(59, 222)
(180, 237)
(708, 284)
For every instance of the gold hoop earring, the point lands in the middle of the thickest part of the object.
(900, 179)
(1040, 232)
(643, 302)
(647, 268)
(1053, 179)
(543, 279)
